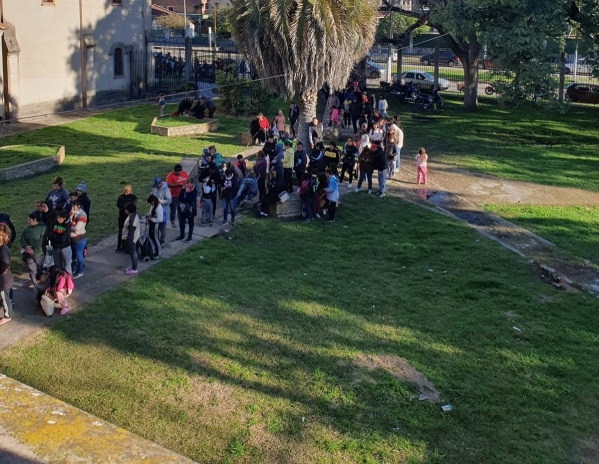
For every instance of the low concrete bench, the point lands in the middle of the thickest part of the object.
(291, 208)
(203, 126)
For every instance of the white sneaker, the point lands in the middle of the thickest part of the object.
(369, 191)
(317, 216)
(349, 185)
(356, 190)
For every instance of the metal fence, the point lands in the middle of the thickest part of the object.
(421, 60)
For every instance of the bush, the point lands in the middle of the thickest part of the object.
(239, 96)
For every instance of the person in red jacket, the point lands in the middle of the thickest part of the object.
(175, 180)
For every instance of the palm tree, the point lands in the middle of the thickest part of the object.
(298, 45)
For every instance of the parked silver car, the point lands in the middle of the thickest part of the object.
(423, 80)
(582, 67)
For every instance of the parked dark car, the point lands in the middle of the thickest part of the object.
(446, 57)
(483, 63)
(583, 93)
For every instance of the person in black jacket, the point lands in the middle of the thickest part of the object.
(350, 152)
(276, 185)
(188, 209)
(380, 164)
(59, 235)
(48, 215)
(228, 192)
(122, 201)
(300, 162)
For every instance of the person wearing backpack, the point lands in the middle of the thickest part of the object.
(310, 195)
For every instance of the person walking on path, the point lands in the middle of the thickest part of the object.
(188, 209)
(228, 189)
(130, 236)
(367, 166)
(6, 279)
(175, 180)
(380, 164)
(122, 201)
(422, 165)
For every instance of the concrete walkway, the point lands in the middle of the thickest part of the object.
(49, 430)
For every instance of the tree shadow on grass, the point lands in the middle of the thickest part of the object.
(281, 310)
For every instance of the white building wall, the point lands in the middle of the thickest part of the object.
(49, 62)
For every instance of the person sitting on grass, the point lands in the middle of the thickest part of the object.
(198, 110)
(184, 106)
(210, 106)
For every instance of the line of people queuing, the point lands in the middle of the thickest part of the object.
(53, 246)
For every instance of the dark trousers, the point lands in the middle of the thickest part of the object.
(292, 123)
(260, 136)
(190, 222)
(332, 208)
(346, 119)
(350, 172)
(262, 188)
(270, 199)
(211, 110)
(288, 176)
(299, 174)
(354, 121)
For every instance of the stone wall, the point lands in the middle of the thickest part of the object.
(291, 208)
(207, 125)
(33, 167)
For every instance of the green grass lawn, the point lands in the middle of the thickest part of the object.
(108, 151)
(19, 154)
(525, 143)
(573, 228)
(280, 344)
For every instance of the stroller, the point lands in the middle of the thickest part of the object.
(147, 249)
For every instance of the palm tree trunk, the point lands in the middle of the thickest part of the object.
(307, 107)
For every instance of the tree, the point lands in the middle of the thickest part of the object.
(174, 22)
(224, 23)
(401, 23)
(296, 46)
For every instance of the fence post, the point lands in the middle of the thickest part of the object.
(436, 81)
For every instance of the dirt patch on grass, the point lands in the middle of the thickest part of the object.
(401, 370)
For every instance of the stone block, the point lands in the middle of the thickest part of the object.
(33, 167)
(291, 208)
(206, 125)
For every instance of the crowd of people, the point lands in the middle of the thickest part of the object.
(53, 246)
(53, 243)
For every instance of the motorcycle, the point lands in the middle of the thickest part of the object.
(424, 102)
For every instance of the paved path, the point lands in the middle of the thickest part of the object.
(49, 430)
